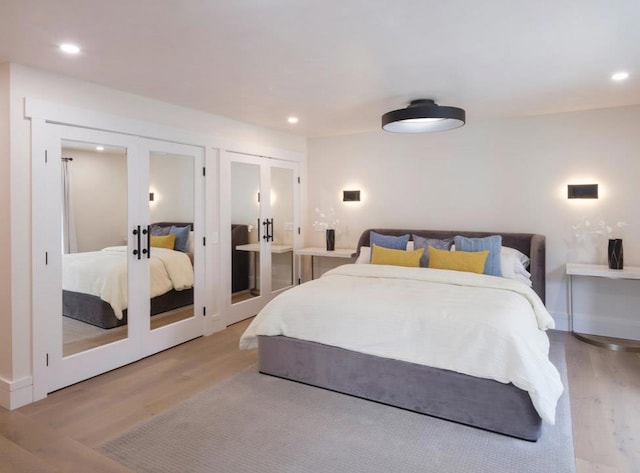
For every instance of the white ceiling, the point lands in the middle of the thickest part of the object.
(339, 65)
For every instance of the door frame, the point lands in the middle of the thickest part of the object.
(43, 216)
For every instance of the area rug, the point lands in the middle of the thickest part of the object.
(257, 423)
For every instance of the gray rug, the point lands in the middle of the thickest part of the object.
(257, 423)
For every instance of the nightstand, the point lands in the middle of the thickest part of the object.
(600, 271)
(318, 252)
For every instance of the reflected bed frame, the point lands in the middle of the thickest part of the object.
(93, 310)
(477, 402)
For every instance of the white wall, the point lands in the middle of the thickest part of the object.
(99, 198)
(504, 175)
(99, 194)
(171, 180)
(37, 84)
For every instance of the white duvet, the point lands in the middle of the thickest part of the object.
(479, 325)
(104, 274)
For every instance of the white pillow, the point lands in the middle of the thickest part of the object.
(365, 253)
(513, 265)
(190, 243)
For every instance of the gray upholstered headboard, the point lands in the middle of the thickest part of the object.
(531, 244)
(175, 224)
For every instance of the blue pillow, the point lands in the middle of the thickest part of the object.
(422, 242)
(157, 230)
(388, 241)
(492, 243)
(182, 237)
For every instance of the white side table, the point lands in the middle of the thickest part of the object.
(323, 253)
(600, 271)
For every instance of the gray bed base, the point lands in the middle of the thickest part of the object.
(93, 310)
(478, 402)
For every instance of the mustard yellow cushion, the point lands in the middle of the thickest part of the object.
(470, 261)
(382, 255)
(165, 241)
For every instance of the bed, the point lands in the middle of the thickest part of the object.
(88, 306)
(94, 283)
(481, 374)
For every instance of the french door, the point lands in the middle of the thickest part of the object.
(262, 218)
(106, 291)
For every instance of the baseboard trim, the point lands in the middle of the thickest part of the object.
(15, 394)
(607, 326)
(603, 325)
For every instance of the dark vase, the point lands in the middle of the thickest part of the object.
(331, 240)
(614, 254)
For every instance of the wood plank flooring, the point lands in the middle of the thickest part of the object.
(61, 432)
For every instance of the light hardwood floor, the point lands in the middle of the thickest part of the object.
(61, 432)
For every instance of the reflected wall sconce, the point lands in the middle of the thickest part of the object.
(350, 196)
(151, 197)
(582, 191)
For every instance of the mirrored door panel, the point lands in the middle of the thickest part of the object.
(246, 231)
(171, 262)
(283, 225)
(94, 234)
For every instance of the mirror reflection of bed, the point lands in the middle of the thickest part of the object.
(95, 235)
(90, 320)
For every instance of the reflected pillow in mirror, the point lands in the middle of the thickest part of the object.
(163, 241)
(157, 230)
(182, 237)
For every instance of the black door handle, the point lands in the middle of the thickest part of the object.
(136, 250)
(147, 250)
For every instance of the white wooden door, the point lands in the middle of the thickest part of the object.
(262, 195)
(175, 173)
(111, 208)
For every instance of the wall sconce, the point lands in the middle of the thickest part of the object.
(151, 197)
(350, 196)
(582, 191)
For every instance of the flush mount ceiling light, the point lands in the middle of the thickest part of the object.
(423, 116)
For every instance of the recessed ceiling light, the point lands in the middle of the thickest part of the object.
(99, 148)
(292, 120)
(70, 48)
(618, 76)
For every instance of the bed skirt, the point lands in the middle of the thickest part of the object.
(478, 402)
(93, 310)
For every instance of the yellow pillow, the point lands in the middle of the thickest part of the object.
(382, 255)
(470, 261)
(165, 241)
